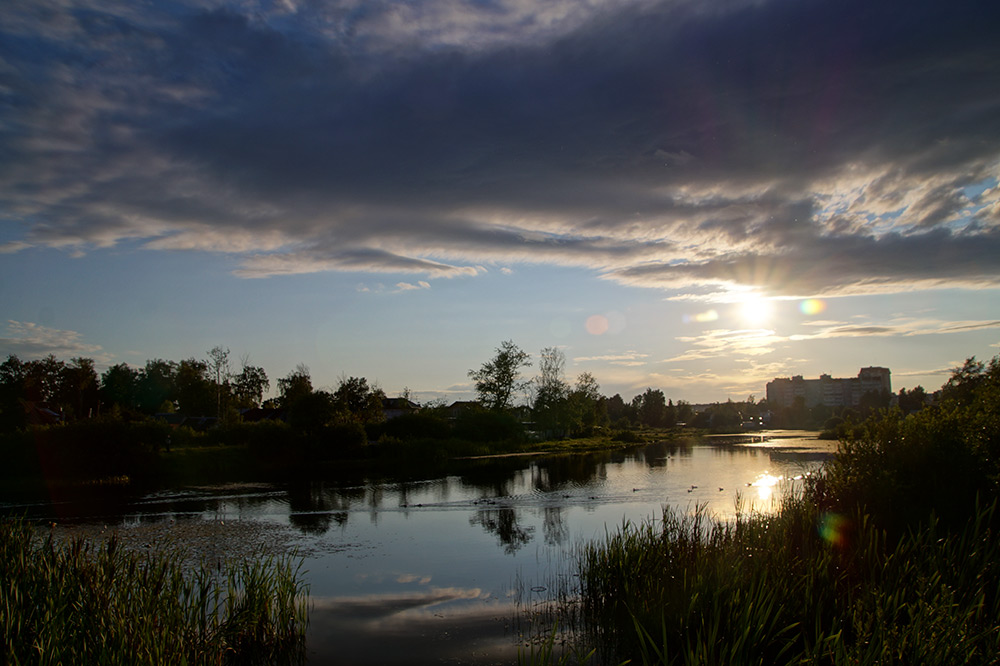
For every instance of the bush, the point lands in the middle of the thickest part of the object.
(416, 426)
(489, 426)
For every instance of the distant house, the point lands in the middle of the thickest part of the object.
(197, 423)
(39, 413)
(257, 414)
(458, 408)
(396, 407)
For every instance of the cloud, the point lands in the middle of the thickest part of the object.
(897, 328)
(627, 359)
(803, 149)
(724, 342)
(406, 286)
(28, 340)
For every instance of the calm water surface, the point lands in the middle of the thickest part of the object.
(432, 570)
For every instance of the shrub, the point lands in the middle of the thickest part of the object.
(489, 426)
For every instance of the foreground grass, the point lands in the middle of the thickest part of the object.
(74, 603)
(777, 590)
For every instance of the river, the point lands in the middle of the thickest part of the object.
(434, 570)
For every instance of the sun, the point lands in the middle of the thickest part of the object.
(756, 310)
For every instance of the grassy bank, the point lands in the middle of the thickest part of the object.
(890, 555)
(776, 590)
(76, 603)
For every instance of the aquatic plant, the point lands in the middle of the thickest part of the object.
(774, 589)
(74, 603)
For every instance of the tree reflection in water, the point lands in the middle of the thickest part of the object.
(504, 523)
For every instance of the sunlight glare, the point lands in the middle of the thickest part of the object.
(756, 311)
(765, 484)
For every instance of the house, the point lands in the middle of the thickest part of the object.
(395, 407)
(458, 408)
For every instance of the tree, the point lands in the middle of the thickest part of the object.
(298, 384)
(78, 391)
(156, 386)
(620, 413)
(43, 378)
(500, 377)
(195, 391)
(551, 392)
(218, 363)
(12, 381)
(250, 385)
(912, 400)
(358, 402)
(651, 407)
(119, 386)
(586, 407)
(964, 381)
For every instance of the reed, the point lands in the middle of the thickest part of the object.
(75, 603)
(774, 589)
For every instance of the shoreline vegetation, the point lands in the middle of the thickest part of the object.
(889, 555)
(76, 602)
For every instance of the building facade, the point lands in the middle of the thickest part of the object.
(827, 390)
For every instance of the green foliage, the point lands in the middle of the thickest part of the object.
(418, 425)
(773, 590)
(900, 468)
(73, 603)
(84, 450)
(890, 556)
(357, 402)
(499, 378)
(294, 386)
(488, 426)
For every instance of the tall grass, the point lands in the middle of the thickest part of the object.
(775, 589)
(74, 603)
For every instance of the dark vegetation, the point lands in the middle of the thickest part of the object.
(61, 421)
(891, 555)
(76, 603)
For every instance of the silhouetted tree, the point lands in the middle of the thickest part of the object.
(551, 411)
(498, 379)
(313, 411)
(297, 384)
(964, 381)
(913, 400)
(221, 369)
(356, 401)
(586, 408)
(43, 378)
(195, 391)
(651, 406)
(120, 386)
(156, 386)
(12, 382)
(250, 385)
(620, 413)
(78, 391)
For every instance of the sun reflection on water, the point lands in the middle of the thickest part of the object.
(765, 484)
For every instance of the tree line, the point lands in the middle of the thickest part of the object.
(48, 390)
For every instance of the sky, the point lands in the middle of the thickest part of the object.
(691, 195)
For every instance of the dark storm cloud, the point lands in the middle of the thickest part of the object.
(802, 147)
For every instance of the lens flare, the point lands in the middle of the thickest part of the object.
(597, 324)
(812, 306)
(701, 317)
(835, 529)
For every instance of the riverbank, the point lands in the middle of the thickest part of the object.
(143, 453)
(84, 601)
(888, 555)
